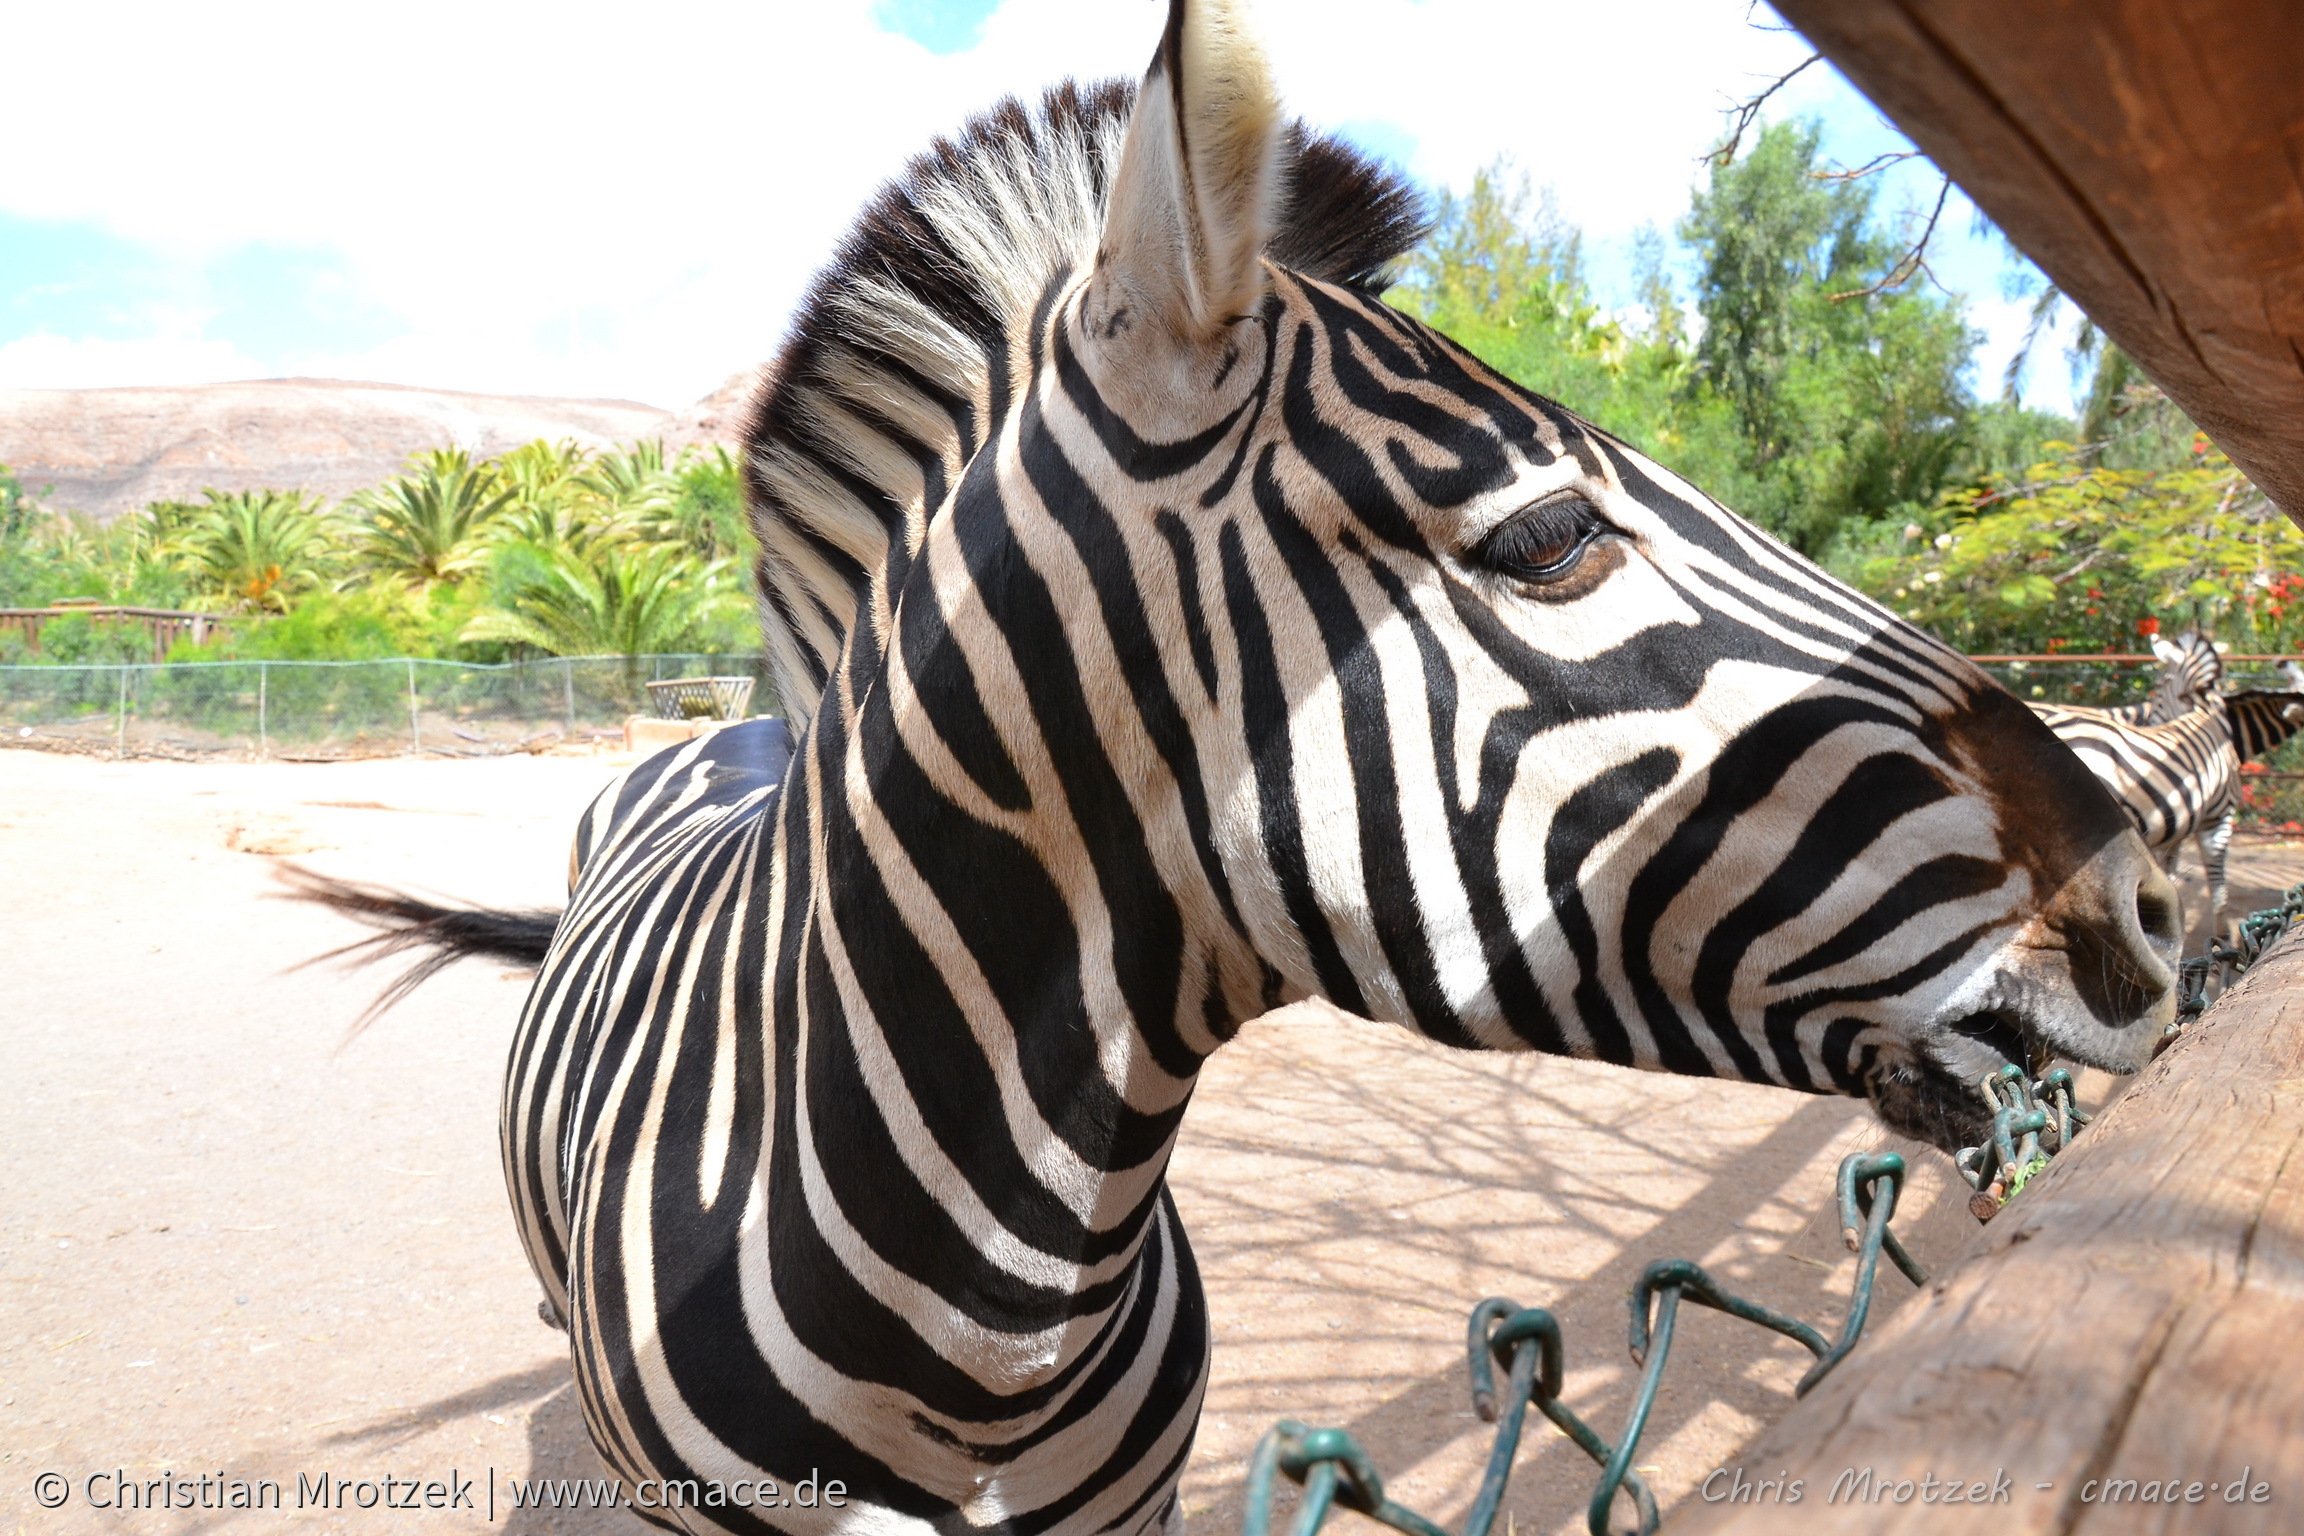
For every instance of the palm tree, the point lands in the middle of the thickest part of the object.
(424, 526)
(256, 549)
(605, 599)
(551, 503)
(635, 485)
(706, 515)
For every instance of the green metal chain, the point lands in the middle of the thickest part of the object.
(1335, 1472)
(2033, 1121)
(2254, 936)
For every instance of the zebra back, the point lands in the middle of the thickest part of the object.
(2171, 778)
(2262, 721)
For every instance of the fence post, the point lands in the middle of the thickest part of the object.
(263, 725)
(415, 733)
(568, 689)
(120, 738)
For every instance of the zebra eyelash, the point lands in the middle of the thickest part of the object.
(1543, 542)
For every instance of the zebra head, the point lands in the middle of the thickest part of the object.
(1104, 505)
(2191, 672)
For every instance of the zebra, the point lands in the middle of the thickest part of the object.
(2173, 759)
(1173, 631)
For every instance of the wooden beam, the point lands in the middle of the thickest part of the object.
(2135, 1315)
(2148, 154)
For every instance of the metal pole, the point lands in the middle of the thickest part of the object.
(120, 741)
(263, 726)
(568, 688)
(415, 735)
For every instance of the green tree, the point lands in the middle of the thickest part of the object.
(424, 527)
(1502, 273)
(2079, 556)
(634, 486)
(1846, 385)
(258, 550)
(706, 512)
(17, 510)
(553, 500)
(605, 599)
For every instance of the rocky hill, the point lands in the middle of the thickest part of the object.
(108, 451)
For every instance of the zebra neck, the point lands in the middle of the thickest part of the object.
(967, 1070)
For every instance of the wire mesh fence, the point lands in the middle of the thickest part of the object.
(336, 709)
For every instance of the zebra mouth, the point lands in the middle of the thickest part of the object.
(2003, 1032)
(1934, 1098)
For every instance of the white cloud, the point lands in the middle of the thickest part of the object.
(73, 362)
(585, 199)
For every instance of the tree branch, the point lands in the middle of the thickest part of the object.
(1749, 110)
(1912, 263)
(1879, 162)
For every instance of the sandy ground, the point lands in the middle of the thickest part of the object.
(235, 1241)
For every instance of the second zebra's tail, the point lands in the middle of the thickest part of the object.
(441, 935)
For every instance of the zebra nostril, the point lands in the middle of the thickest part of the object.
(2156, 911)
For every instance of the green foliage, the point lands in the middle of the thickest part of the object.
(634, 487)
(17, 510)
(1502, 273)
(605, 599)
(706, 516)
(254, 551)
(550, 503)
(424, 527)
(1847, 393)
(2080, 556)
(553, 547)
(79, 640)
(1817, 399)
(368, 623)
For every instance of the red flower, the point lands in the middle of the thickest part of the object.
(2292, 826)
(2147, 626)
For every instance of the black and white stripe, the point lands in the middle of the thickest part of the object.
(1177, 631)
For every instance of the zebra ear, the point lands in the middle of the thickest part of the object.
(1191, 203)
(2168, 654)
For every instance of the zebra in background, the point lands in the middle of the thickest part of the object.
(2173, 759)
(1177, 631)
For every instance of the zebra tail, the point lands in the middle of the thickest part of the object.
(440, 935)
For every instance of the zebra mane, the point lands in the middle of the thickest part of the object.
(900, 358)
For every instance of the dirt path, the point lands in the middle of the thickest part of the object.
(232, 1241)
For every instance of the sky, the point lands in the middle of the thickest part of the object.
(589, 200)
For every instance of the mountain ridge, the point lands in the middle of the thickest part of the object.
(109, 451)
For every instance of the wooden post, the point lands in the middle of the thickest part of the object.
(2136, 1316)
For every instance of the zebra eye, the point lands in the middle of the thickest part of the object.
(1543, 543)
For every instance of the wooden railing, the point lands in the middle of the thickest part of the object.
(166, 626)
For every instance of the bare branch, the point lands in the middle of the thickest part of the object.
(1912, 263)
(1878, 162)
(1747, 111)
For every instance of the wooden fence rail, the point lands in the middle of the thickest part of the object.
(2129, 1331)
